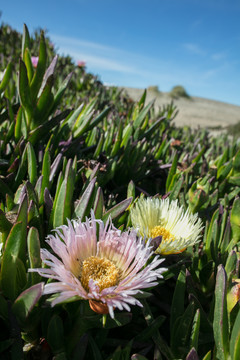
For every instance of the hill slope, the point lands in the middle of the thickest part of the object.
(194, 112)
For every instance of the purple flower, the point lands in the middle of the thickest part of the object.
(34, 61)
(108, 269)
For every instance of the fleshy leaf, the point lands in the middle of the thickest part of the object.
(117, 210)
(220, 322)
(26, 301)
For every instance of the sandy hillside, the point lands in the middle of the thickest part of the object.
(196, 111)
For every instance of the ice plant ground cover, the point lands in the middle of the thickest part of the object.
(75, 154)
(178, 229)
(109, 270)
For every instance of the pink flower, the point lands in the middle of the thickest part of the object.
(34, 61)
(107, 271)
(81, 64)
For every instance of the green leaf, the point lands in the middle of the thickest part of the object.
(33, 244)
(5, 344)
(200, 154)
(82, 209)
(98, 204)
(5, 224)
(49, 72)
(4, 189)
(11, 264)
(151, 329)
(88, 124)
(208, 356)
(38, 133)
(235, 220)
(234, 180)
(41, 67)
(95, 350)
(192, 355)
(79, 352)
(22, 217)
(3, 309)
(6, 77)
(28, 62)
(118, 140)
(44, 104)
(224, 170)
(120, 319)
(71, 119)
(55, 166)
(140, 118)
(117, 210)
(58, 187)
(19, 194)
(160, 343)
(46, 168)
(223, 159)
(25, 39)
(24, 91)
(17, 130)
(99, 147)
(235, 339)
(177, 308)
(176, 189)
(92, 137)
(231, 263)
(210, 234)
(181, 333)
(147, 134)
(60, 92)
(117, 355)
(220, 321)
(109, 139)
(131, 190)
(236, 162)
(86, 112)
(99, 118)
(83, 124)
(172, 172)
(195, 330)
(55, 334)
(32, 164)
(22, 168)
(143, 99)
(126, 351)
(63, 208)
(160, 150)
(226, 237)
(215, 240)
(25, 302)
(127, 132)
(9, 203)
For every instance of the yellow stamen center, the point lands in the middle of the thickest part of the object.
(101, 270)
(161, 231)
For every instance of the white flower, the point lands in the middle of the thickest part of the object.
(177, 229)
(107, 269)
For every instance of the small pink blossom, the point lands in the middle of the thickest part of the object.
(81, 64)
(107, 269)
(34, 61)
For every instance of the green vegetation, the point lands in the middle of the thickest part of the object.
(154, 89)
(234, 130)
(178, 91)
(69, 145)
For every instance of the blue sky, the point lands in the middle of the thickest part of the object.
(138, 43)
